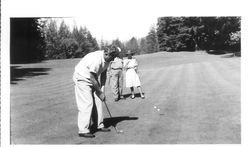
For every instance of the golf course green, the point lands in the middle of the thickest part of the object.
(191, 98)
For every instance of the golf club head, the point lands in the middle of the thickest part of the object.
(119, 131)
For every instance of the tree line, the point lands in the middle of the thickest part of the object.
(144, 45)
(26, 40)
(173, 34)
(35, 39)
(199, 33)
(62, 43)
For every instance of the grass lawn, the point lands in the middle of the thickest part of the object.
(197, 94)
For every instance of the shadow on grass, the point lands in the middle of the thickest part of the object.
(237, 54)
(115, 120)
(17, 73)
(216, 52)
(137, 95)
(108, 122)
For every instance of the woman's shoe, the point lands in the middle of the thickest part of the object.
(132, 96)
(143, 97)
(121, 97)
(104, 130)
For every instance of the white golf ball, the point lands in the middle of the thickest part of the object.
(158, 109)
(121, 131)
(154, 106)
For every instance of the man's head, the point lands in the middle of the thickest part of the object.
(111, 52)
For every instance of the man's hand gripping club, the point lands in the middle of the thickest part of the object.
(99, 90)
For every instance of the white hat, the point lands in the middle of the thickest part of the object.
(119, 49)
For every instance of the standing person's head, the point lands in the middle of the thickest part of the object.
(110, 52)
(120, 53)
(129, 54)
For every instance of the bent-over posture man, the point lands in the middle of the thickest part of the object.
(89, 91)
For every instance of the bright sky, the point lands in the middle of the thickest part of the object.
(112, 19)
(111, 28)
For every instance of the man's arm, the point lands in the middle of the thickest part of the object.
(96, 86)
(103, 80)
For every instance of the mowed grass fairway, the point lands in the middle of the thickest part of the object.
(198, 96)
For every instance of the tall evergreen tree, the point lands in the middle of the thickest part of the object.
(69, 47)
(152, 41)
(132, 45)
(118, 43)
(167, 33)
(92, 42)
(51, 39)
(143, 46)
(102, 44)
(195, 33)
(64, 31)
(82, 41)
(87, 43)
(27, 40)
(65, 38)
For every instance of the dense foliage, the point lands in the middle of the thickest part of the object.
(147, 44)
(61, 43)
(27, 42)
(34, 39)
(198, 33)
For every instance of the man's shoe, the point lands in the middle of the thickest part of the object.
(87, 135)
(104, 130)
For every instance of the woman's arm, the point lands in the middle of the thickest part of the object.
(136, 66)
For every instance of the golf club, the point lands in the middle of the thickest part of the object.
(117, 131)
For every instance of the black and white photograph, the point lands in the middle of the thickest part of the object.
(123, 72)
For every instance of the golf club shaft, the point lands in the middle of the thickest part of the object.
(108, 109)
(110, 115)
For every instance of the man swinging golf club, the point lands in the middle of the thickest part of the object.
(89, 91)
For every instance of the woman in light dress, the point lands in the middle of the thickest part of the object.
(132, 78)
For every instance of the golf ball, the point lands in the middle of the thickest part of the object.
(158, 109)
(121, 131)
(154, 106)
